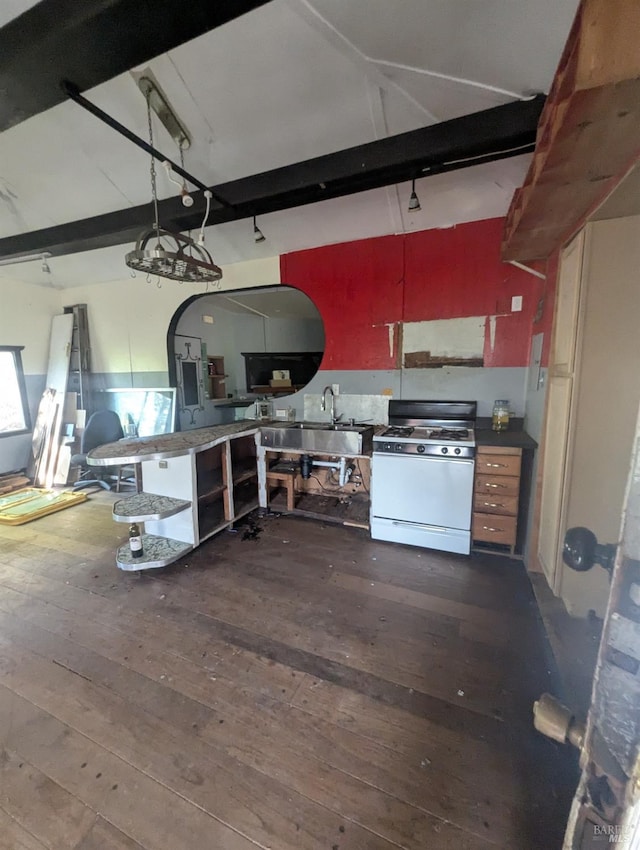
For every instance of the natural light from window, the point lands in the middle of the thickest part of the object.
(12, 417)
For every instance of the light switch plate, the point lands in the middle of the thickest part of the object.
(516, 303)
(336, 389)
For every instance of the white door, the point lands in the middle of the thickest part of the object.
(606, 807)
(559, 404)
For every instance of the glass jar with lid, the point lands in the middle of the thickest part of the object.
(500, 416)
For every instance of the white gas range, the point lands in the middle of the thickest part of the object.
(422, 475)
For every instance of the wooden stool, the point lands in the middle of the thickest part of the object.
(286, 476)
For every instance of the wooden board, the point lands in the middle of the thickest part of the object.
(588, 135)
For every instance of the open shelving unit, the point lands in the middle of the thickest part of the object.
(244, 474)
(188, 497)
(217, 377)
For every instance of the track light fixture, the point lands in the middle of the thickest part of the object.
(28, 258)
(414, 200)
(258, 235)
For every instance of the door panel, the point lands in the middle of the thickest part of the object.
(423, 490)
(558, 416)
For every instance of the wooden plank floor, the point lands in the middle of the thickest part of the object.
(295, 687)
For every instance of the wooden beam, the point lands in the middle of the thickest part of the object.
(589, 131)
(485, 136)
(91, 42)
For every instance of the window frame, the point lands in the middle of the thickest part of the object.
(17, 350)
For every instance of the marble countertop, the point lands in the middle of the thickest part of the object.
(163, 446)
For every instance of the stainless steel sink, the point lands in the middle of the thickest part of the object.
(321, 437)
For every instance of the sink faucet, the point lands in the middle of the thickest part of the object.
(323, 403)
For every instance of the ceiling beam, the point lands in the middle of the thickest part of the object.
(92, 41)
(486, 136)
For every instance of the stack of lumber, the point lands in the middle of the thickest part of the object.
(11, 481)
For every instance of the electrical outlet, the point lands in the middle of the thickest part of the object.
(208, 320)
(163, 464)
(336, 389)
(516, 303)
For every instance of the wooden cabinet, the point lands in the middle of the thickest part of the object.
(497, 496)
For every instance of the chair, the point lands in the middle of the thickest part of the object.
(103, 427)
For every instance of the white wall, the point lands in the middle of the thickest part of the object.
(25, 319)
(129, 319)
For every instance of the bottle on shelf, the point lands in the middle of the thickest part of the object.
(135, 540)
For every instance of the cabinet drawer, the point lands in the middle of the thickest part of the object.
(493, 528)
(496, 486)
(498, 464)
(492, 503)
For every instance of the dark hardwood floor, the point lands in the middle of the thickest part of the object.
(291, 685)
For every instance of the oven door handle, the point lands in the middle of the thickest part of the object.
(418, 525)
(432, 458)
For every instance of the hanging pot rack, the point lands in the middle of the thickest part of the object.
(159, 251)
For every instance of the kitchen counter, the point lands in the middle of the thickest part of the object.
(511, 438)
(162, 446)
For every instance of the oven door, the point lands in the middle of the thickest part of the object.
(426, 490)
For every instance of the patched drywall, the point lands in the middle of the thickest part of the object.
(443, 342)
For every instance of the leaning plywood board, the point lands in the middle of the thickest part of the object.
(57, 378)
(45, 409)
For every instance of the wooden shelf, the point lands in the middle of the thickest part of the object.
(244, 469)
(218, 490)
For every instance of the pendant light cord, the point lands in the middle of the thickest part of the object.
(154, 192)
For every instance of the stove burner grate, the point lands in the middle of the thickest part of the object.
(399, 431)
(449, 434)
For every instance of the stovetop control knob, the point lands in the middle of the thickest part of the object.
(445, 450)
(398, 447)
(421, 450)
(457, 451)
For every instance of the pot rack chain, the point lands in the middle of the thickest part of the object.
(152, 168)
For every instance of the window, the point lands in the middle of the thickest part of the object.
(14, 410)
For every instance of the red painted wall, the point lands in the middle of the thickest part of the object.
(361, 287)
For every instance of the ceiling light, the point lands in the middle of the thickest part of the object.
(258, 235)
(414, 200)
(26, 258)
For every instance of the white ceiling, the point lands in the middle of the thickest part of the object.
(276, 302)
(287, 82)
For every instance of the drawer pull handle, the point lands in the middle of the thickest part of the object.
(489, 528)
(503, 486)
(497, 465)
(493, 505)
